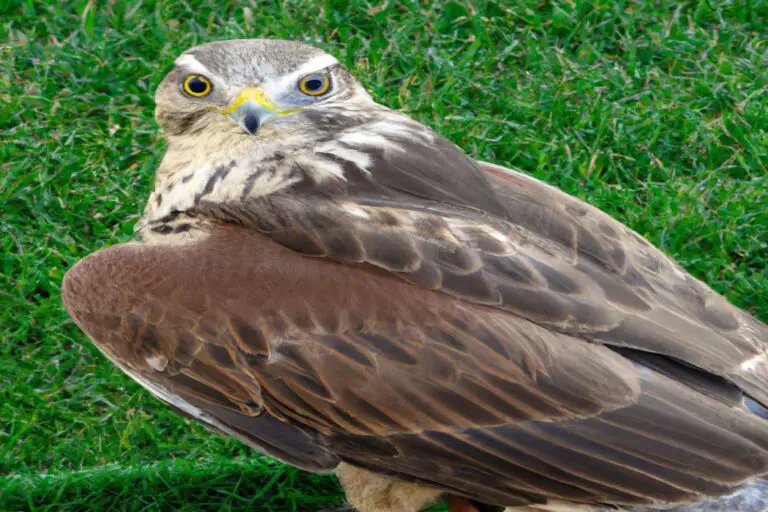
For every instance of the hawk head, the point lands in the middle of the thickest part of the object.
(253, 87)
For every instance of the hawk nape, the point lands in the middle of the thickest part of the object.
(343, 289)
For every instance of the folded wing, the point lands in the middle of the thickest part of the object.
(429, 214)
(316, 362)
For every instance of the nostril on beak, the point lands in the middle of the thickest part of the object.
(251, 123)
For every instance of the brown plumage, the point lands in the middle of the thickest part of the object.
(345, 288)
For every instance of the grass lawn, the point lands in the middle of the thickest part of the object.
(655, 111)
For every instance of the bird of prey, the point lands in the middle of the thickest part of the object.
(343, 289)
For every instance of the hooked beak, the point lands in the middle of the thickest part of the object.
(250, 109)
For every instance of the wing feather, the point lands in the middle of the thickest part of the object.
(545, 256)
(405, 380)
(449, 321)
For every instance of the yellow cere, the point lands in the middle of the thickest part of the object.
(256, 95)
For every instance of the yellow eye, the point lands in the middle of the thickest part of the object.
(197, 86)
(315, 84)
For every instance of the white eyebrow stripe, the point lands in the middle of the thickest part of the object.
(193, 65)
(319, 62)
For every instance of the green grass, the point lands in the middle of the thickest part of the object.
(656, 112)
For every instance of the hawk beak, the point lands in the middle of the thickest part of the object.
(250, 116)
(250, 109)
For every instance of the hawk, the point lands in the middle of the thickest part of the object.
(341, 288)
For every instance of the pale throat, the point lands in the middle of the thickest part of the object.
(221, 168)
